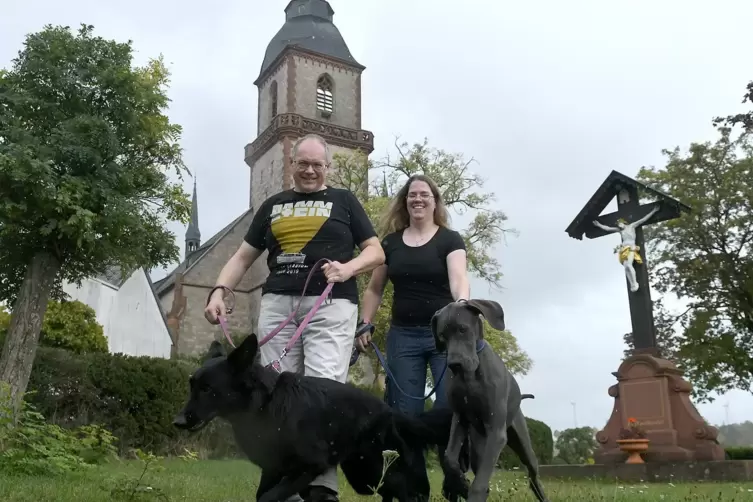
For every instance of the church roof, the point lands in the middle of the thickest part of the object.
(114, 276)
(308, 25)
(163, 285)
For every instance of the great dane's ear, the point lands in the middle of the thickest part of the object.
(491, 310)
(438, 344)
(242, 357)
(216, 350)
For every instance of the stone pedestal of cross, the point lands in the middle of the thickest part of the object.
(649, 389)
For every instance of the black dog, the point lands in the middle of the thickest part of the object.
(296, 427)
(363, 468)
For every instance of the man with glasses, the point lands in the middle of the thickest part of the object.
(299, 227)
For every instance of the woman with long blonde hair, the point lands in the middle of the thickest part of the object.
(426, 263)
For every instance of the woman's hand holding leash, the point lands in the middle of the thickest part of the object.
(364, 330)
(363, 335)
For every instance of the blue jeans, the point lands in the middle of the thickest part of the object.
(409, 351)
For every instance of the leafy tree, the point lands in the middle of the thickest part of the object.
(577, 445)
(744, 119)
(736, 434)
(665, 325)
(4, 322)
(458, 185)
(85, 153)
(706, 257)
(506, 346)
(375, 184)
(69, 325)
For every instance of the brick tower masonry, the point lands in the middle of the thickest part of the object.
(308, 83)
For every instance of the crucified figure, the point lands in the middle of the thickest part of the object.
(629, 251)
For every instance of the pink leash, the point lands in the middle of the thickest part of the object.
(298, 332)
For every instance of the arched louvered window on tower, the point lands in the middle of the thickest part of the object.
(325, 101)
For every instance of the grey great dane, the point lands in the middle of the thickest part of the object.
(484, 396)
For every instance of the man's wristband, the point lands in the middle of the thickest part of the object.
(224, 288)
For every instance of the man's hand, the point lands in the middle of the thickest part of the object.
(215, 307)
(337, 272)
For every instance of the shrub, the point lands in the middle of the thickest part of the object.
(739, 452)
(135, 398)
(30, 445)
(542, 442)
(576, 445)
(70, 325)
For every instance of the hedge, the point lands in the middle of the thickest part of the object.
(542, 442)
(739, 452)
(135, 398)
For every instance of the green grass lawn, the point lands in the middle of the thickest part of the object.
(225, 481)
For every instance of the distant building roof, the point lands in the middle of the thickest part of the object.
(167, 282)
(115, 277)
(308, 25)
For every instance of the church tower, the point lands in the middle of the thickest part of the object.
(308, 83)
(193, 235)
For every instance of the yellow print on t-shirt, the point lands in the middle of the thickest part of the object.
(295, 224)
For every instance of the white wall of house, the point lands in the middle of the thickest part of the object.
(97, 294)
(130, 316)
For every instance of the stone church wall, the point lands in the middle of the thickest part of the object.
(195, 332)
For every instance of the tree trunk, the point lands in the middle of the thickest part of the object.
(26, 323)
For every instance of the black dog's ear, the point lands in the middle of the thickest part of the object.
(438, 344)
(491, 310)
(216, 350)
(242, 357)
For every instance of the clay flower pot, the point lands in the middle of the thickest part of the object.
(634, 448)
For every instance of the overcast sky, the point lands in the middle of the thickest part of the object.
(547, 96)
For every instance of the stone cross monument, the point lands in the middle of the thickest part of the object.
(649, 389)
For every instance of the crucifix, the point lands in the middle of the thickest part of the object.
(628, 221)
(629, 251)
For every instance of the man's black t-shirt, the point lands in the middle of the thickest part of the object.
(419, 275)
(298, 229)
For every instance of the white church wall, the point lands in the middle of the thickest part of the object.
(95, 293)
(130, 316)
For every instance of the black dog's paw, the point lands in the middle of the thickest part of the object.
(268, 497)
(454, 486)
(319, 494)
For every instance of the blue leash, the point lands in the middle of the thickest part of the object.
(383, 362)
(354, 357)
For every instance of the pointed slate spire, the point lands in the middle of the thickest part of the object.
(193, 235)
(385, 190)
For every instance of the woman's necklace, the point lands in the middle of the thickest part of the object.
(419, 237)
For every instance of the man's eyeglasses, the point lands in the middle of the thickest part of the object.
(302, 165)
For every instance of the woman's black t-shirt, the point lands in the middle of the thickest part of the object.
(419, 275)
